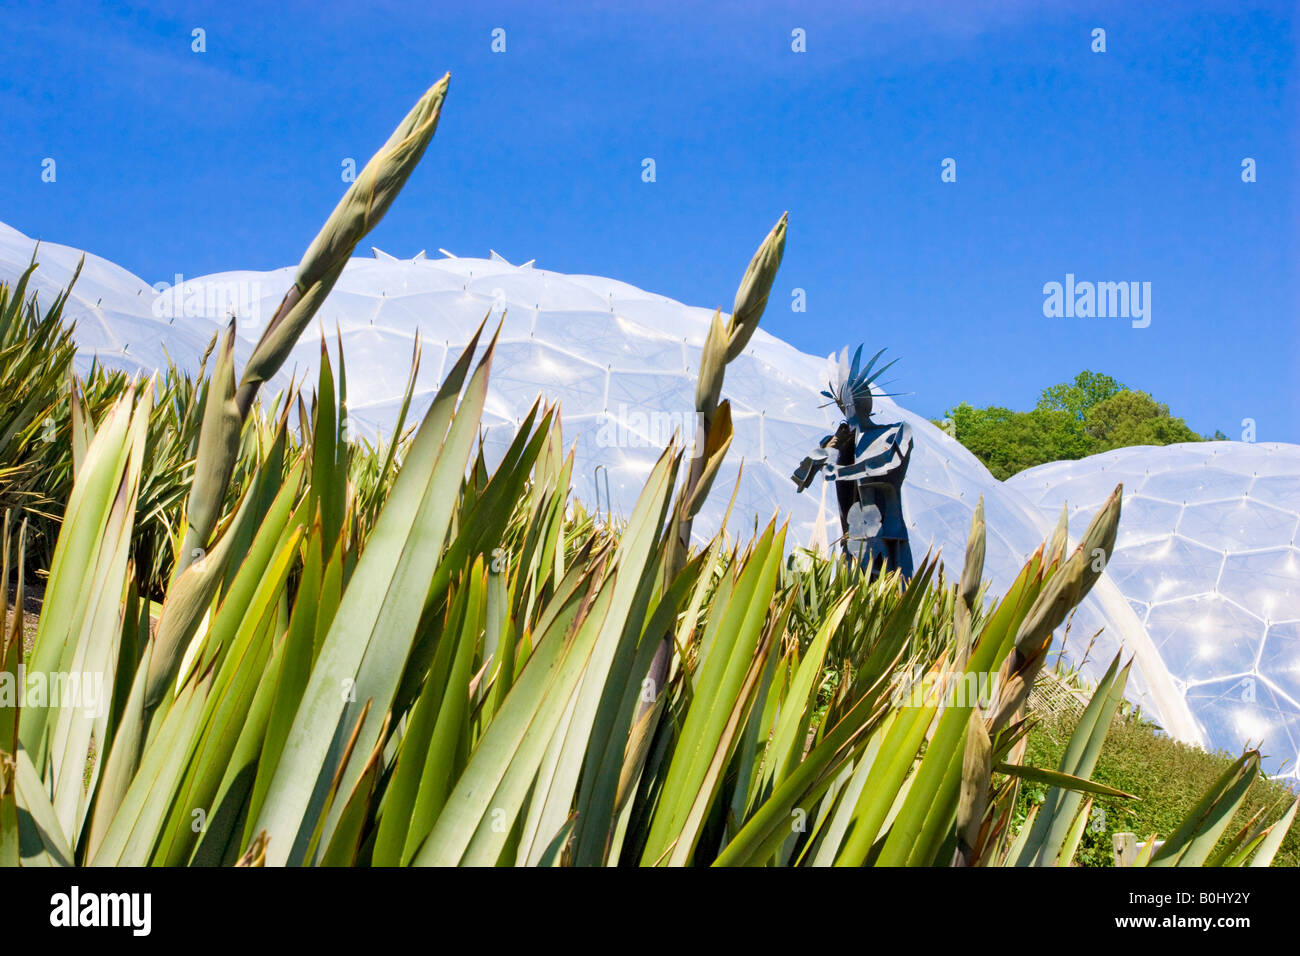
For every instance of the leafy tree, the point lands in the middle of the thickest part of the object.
(1008, 441)
(1088, 390)
(1134, 418)
(1090, 414)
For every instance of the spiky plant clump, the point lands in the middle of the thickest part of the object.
(356, 698)
(36, 352)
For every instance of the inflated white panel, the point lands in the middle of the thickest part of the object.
(1207, 558)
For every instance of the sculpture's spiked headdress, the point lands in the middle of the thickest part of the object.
(851, 381)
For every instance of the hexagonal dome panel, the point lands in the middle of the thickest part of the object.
(1207, 555)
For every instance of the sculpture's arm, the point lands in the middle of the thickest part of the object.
(803, 475)
(905, 442)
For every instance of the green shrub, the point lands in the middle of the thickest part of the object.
(1166, 776)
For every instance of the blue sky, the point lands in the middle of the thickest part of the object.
(1115, 166)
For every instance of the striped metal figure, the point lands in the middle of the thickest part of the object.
(868, 461)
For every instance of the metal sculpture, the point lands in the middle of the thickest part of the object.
(868, 461)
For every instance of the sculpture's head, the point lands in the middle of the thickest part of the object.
(850, 385)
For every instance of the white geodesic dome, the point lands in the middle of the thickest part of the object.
(1207, 559)
(622, 363)
(117, 322)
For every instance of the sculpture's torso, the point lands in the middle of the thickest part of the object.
(869, 480)
(880, 496)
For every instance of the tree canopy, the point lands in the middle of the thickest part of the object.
(1091, 414)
